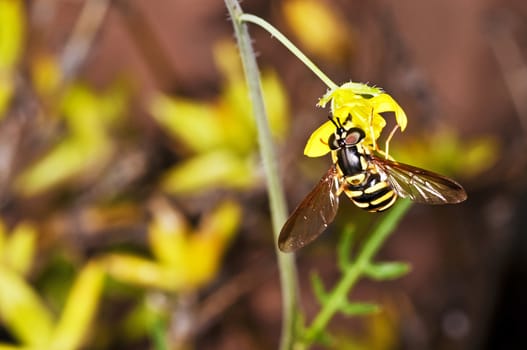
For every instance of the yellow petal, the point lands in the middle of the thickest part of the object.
(6, 91)
(319, 29)
(12, 24)
(195, 124)
(235, 112)
(210, 170)
(317, 145)
(80, 308)
(227, 59)
(386, 103)
(88, 114)
(479, 155)
(202, 261)
(364, 104)
(20, 248)
(222, 222)
(67, 160)
(276, 103)
(167, 232)
(140, 271)
(22, 311)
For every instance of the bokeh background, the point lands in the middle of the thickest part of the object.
(132, 205)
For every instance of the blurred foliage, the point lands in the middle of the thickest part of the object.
(380, 331)
(354, 266)
(79, 143)
(446, 152)
(55, 266)
(12, 36)
(87, 146)
(220, 135)
(185, 260)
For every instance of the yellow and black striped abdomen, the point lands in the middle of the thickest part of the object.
(372, 194)
(361, 182)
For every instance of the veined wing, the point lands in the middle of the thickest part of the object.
(313, 215)
(420, 185)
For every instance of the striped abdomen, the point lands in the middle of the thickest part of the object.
(361, 182)
(372, 194)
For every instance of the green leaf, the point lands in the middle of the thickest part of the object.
(356, 308)
(322, 337)
(159, 335)
(387, 270)
(318, 288)
(344, 247)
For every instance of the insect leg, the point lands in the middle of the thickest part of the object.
(372, 133)
(387, 143)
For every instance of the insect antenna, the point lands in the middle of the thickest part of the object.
(338, 124)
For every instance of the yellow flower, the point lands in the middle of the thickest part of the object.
(186, 258)
(357, 105)
(219, 137)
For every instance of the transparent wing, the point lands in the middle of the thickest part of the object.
(420, 185)
(313, 215)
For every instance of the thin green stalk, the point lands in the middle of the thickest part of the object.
(286, 262)
(158, 333)
(352, 275)
(288, 44)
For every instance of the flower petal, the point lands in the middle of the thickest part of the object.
(364, 104)
(386, 103)
(317, 144)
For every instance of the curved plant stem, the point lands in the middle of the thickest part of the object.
(286, 263)
(355, 271)
(287, 43)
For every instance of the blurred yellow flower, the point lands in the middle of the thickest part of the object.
(185, 258)
(22, 309)
(219, 137)
(457, 155)
(363, 104)
(86, 148)
(313, 22)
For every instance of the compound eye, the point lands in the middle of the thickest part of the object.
(332, 142)
(353, 137)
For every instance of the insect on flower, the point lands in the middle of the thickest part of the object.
(372, 183)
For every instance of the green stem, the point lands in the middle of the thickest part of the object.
(288, 44)
(352, 275)
(286, 262)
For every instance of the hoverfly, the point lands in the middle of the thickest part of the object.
(372, 183)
